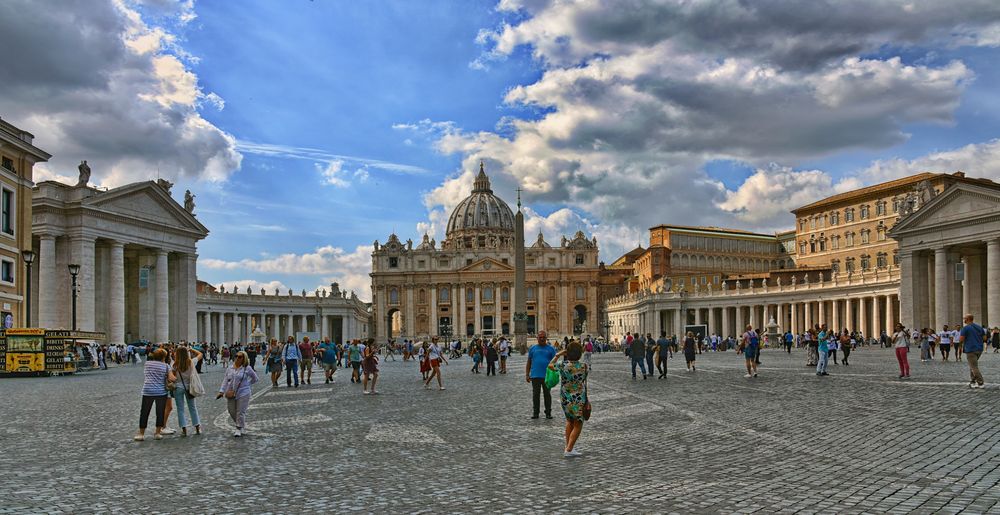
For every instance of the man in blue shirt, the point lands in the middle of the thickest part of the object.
(539, 356)
(971, 339)
(290, 355)
(329, 356)
(663, 345)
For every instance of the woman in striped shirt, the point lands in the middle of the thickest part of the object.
(156, 375)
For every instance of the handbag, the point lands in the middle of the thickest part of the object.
(170, 386)
(231, 392)
(197, 388)
(551, 378)
(586, 405)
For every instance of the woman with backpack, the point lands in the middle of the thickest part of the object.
(749, 344)
(188, 387)
(236, 389)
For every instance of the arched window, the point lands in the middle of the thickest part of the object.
(552, 292)
(488, 294)
(444, 294)
(470, 295)
(505, 294)
(393, 296)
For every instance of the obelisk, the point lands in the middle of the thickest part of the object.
(520, 290)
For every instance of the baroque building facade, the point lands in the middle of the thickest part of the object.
(464, 286)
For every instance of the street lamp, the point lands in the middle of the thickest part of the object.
(74, 270)
(29, 258)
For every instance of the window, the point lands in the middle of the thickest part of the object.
(895, 205)
(443, 263)
(849, 214)
(552, 261)
(715, 279)
(865, 236)
(579, 259)
(812, 223)
(468, 261)
(505, 261)
(530, 292)
(834, 218)
(802, 247)
(880, 208)
(470, 295)
(420, 263)
(812, 245)
(7, 271)
(895, 258)
(850, 239)
(882, 260)
(581, 293)
(444, 294)
(822, 244)
(393, 296)
(835, 242)
(866, 262)
(488, 294)
(704, 279)
(881, 233)
(531, 261)
(835, 266)
(7, 208)
(8, 163)
(694, 281)
(864, 212)
(505, 294)
(393, 262)
(802, 225)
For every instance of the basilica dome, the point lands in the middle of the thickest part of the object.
(481, 214)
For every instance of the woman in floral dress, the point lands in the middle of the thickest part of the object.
(573, 380)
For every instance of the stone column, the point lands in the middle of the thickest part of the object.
(48, 301)
(541, 323)
(116, 295)
(782, 324)
(411, 314)
(807, 306)
(835, 315)
(190, 292)
(478, 305)
(822, 314)
(942, 288)
(972, 287)
(432, 323)
(698, 320)
(890, 317)
(459, 329)
(993, 283)
(83, 255)
(162, 317)
(712, 328)
(565, 320)
(877, 315)
(679, 324)
(863, 316)
(740, 321)
(955, 313)
(795, 318)
(725, 322)
(849, 314)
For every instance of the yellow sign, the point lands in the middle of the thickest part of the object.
(25, 332)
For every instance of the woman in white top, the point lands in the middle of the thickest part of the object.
(901, 342)
(236, 388)
(435, 357)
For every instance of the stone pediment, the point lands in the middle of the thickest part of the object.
(961, 203)
(148, 202)
(487, 265)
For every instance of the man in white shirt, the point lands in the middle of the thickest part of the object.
(504, 352)
(955, 343)
(944, 342)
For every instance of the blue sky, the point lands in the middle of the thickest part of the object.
(309, 129)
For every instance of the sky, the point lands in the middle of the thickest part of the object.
(310, 129)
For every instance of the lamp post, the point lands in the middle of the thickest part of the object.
(74, 270)
(29, 258)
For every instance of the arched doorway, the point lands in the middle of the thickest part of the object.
(394, 323)
(580, 319)
(488, 325)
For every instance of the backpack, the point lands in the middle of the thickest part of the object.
(754, 339)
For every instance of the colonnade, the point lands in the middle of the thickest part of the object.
(238, 326)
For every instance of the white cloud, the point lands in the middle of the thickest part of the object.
(327, 264)
(333, 174)
(766, 197)
(100, 81)
(323, 156)
(976, 160)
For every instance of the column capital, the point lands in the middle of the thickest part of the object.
(46, 236)
(116, 244)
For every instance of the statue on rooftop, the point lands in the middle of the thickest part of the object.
(84, 169)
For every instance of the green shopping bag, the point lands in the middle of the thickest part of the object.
(551, 378)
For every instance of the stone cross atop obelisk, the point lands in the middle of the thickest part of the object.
(520, 306)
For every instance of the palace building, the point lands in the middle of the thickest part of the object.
(841, 265)
(464, 286)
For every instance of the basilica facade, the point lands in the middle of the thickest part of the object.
(464, 285)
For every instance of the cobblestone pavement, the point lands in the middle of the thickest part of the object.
(857, 441)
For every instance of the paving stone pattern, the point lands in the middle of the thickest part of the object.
(857, 441)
